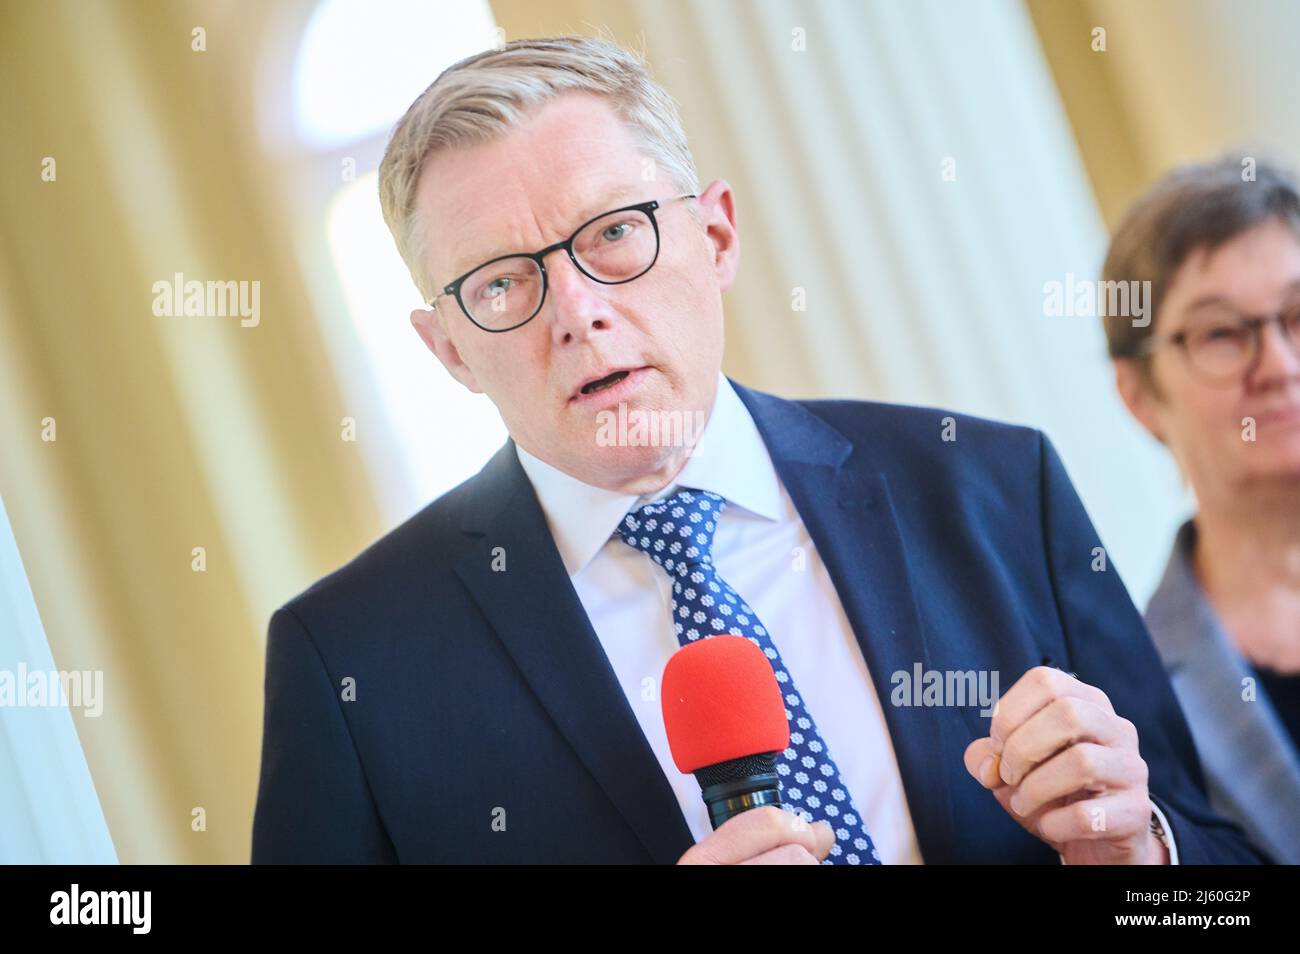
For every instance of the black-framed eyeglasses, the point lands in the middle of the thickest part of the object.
(613, 248)
(1220, 345)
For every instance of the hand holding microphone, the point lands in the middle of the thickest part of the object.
(726, 723)
(763, 836)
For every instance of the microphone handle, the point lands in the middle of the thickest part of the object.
(726, 800)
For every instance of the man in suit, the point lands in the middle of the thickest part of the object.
(480, 685)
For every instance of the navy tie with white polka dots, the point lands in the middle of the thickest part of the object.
(677, 532)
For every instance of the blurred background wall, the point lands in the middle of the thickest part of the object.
(912, 173)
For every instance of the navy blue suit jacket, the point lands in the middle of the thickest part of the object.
(488, 726)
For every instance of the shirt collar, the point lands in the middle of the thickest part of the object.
(730, 459)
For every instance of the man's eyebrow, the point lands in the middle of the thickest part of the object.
(465, 265)
(590, 211)
(604, 204)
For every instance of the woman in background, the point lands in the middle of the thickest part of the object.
(1215, 376)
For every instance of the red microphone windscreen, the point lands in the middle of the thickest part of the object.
(721, 701)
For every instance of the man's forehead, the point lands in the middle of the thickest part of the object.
(566, 163)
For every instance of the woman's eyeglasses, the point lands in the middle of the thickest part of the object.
(1220, 345)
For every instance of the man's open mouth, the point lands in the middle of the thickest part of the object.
(591, 387)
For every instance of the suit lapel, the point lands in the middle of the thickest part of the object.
(1244, 749)
(537, 615)
(849, 515)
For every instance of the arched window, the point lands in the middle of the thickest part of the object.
(352, 75)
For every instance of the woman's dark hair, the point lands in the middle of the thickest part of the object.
(1198, 206)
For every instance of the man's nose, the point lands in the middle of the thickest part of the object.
(1279, 357)
(577, 307)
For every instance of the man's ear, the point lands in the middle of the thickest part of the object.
(718, 216)
(1138, 395)
(428, 325)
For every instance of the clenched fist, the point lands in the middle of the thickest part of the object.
(1062, 763)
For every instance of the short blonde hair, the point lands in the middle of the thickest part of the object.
(486, 95)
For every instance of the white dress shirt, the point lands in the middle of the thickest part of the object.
(764, 551)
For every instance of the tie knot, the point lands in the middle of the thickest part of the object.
(677, 531)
